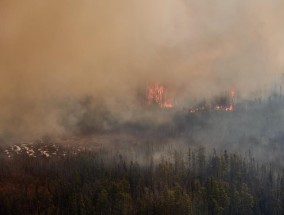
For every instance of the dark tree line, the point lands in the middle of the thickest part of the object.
(94, 183)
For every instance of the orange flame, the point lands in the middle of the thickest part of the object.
(158, 94)
(232, 101)
(229, 107)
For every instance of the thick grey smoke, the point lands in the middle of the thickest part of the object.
(55, 51)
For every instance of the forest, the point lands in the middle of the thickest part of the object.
(96, 182)
(155, 107)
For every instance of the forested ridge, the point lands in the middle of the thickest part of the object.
(192, 182)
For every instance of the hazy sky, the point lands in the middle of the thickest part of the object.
(53, 49)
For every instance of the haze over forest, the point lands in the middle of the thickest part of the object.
(54, 53)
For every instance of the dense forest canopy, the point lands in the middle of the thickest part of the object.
(191, 182)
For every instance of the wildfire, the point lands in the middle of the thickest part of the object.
(159, 95)
(232, 98)
(229, 106)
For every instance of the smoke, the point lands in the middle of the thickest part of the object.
(53, 52)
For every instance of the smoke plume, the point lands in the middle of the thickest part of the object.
(54, 52)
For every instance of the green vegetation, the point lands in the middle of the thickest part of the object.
(96, 183)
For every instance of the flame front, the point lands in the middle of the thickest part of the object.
(158, 95)
(229, 106)
(232, 98)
